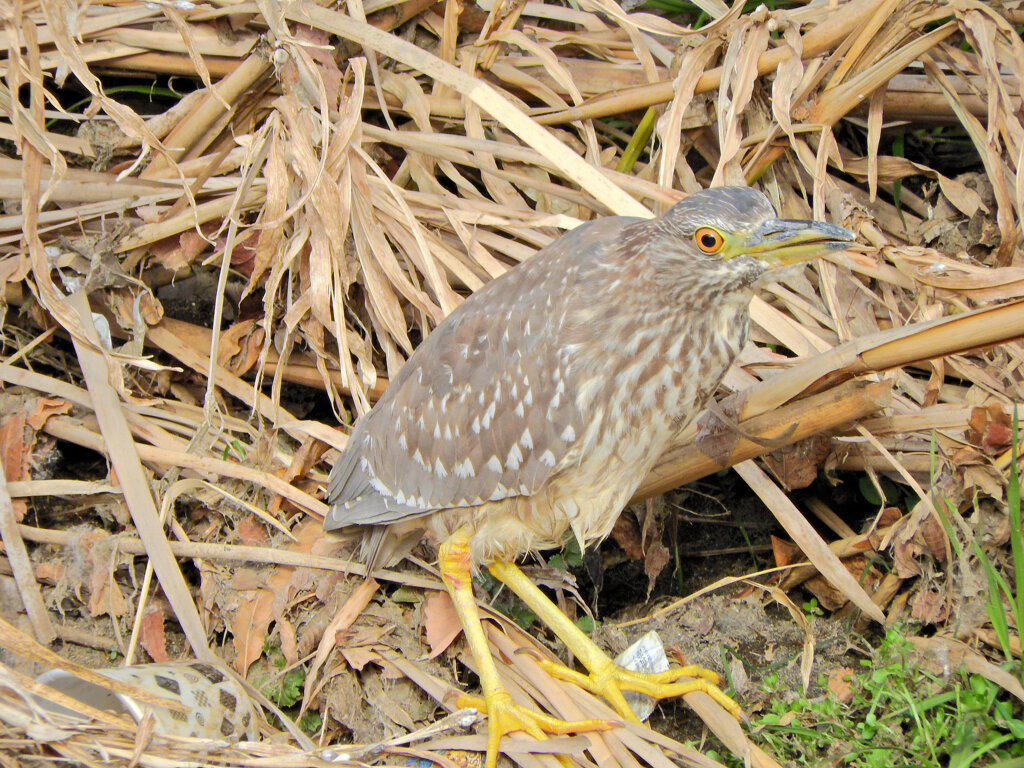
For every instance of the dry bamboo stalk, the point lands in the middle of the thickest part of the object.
(78, 185)
(882, 351)
(206, 39)
(811, 416)
(919, 464)
(839, 100)
(921, 342)
(942, 416)
(181, 142)
(189, 219)
(164, 64)
(58, 217)
(92, 53)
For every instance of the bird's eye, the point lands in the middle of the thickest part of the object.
(709, 240)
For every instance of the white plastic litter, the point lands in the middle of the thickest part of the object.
(645, 655)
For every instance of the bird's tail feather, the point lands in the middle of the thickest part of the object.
(384, 546)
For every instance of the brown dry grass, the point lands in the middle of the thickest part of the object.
(344, 178)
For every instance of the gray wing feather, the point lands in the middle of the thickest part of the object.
(353, 499)
(481, 410)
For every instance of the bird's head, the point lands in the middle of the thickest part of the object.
(734, 233)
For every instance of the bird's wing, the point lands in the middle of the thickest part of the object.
(483, 410)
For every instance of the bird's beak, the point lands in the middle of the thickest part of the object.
(779, 242)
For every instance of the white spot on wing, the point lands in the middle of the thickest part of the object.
(568, 434)
(493, 464)
(475, 426)
(488, 415)
(439, 469)
(526, 440)
(464, 469)
(514, 458)
(547, 458)
(519, 410)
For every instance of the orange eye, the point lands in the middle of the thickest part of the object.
(709, 240)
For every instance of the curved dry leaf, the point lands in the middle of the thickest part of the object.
(739, 71)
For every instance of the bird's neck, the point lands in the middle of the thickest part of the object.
(665, 335)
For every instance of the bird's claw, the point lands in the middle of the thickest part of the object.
(610, 680)
(505, 716)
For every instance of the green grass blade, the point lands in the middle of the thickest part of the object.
(1016, 544)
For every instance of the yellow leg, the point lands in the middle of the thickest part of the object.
(503, 715)
(606, 678)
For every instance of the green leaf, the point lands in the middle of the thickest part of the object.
(869, 492)
(406, 594)
(586, 623)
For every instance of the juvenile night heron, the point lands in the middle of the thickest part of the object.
(538, 406)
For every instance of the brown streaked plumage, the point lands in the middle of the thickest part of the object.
(538, 406)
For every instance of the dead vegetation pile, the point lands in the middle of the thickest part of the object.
(331, 184)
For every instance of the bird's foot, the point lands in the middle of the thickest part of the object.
(609, 680)
(505, 716)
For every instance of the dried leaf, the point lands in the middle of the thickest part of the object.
(626, 534)
(839, 684)
(797, 465)
(249, 626)
(928, 607)
(251, 532)
(151, 634)
(440, 622)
